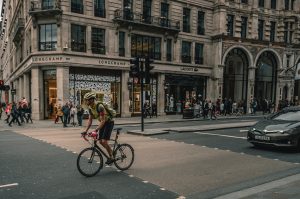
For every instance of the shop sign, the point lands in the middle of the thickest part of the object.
(47, 59)
(189, 69)
(112, 62)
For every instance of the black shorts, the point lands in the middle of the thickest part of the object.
(105, 131)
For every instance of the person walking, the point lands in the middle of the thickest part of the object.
(59, 114)
(28, 113)
(80, 112)
(15, 115)
(66, 112)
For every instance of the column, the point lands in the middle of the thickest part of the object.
(89, 39)
(26, 86)
(62, 82)
(110, 43)
(37, 94)
(177, 51)
(161, 95)
(20, 89)
(125, 95)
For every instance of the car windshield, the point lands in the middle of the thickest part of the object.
(288, 116)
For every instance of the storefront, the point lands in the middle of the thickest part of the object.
(50, 93)
(105, 83)
(150, 94)
(182, 88)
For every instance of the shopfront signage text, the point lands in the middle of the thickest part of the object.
(47, 59)
(189, 69)
(112, 62)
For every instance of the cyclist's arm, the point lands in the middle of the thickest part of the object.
(101, 111)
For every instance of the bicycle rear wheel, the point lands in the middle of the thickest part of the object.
(89, 162)
(124, 156)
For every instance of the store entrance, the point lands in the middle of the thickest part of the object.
(50, 93)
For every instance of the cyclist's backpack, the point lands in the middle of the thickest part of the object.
(112, 113)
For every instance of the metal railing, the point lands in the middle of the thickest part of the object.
(19, 24)
(45, 5)
(47, 46)
(98, 48)
(186, 59)
(128, 15)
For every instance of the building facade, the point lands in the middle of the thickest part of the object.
(53, 51)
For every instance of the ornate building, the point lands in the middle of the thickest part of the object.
(53, 51)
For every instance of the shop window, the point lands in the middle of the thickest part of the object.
(98, 41)
(47, 37)
(78, 38)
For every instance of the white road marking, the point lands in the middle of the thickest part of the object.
(229, 136)
(181, 197)
(243, 130)
(163, 189)
(131, 176)
(145, 182)
(9, 185)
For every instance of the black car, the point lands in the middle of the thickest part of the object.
(281, 129)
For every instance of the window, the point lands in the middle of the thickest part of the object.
(244, 1)
(164, 15)
(77, 6)
(146, 46)
(291, 32)
(169, 49)
(201, 28)
(128, 15)
(230, 23)
(198, 53)
(99, 8)
(47, 4)
(261, 3)
(98, 41)
(292, 4)
(121, 44)
(147, 11)
(272, 31)
(286, 4)
(244, 27)
(273, 4)
(186, 52)
(260, 29)
(47, 37)
(78, 38)
(186, 20)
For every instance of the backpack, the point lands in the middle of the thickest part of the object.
(112, 113)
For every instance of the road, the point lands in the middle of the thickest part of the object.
(198, 164)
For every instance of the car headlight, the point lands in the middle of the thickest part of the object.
(290, 131)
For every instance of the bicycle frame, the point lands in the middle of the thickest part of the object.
(95, 145)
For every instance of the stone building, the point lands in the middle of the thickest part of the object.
(53, 51)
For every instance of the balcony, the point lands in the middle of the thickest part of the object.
(129, 18)
(18, 29)
(44, 10)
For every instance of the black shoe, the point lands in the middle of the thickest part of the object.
(109, 161)
(9, 125)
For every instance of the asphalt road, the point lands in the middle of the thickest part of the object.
(196, 165)
(34, 169)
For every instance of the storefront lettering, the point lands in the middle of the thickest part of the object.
(188, 69)
(112, 63)
(46, 59)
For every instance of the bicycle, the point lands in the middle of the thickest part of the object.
(90, 160)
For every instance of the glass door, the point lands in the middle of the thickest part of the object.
(50, 94)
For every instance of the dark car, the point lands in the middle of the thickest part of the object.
(281, 129)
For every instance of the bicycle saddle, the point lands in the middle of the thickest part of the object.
(118, 129)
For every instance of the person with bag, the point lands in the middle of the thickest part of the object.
(66, 112)
(105, 115)
(80, 112)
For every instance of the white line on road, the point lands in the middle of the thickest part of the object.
(9, 185)
(229, 136)
(243, 130)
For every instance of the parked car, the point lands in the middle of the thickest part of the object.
(281, 129)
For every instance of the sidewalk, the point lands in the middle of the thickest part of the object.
(148, 132)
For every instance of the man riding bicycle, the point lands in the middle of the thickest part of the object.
(106, 122)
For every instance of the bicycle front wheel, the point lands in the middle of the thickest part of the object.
(124, 156)
(89, 162)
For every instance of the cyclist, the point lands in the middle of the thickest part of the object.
(106, 122)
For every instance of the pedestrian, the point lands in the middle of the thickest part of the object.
(66, 113)
(59, 114)
(80, 112)
(72, 114)
(14, 114)
(154, 109)
(28, 113)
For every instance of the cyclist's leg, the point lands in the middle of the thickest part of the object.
(104, 136)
